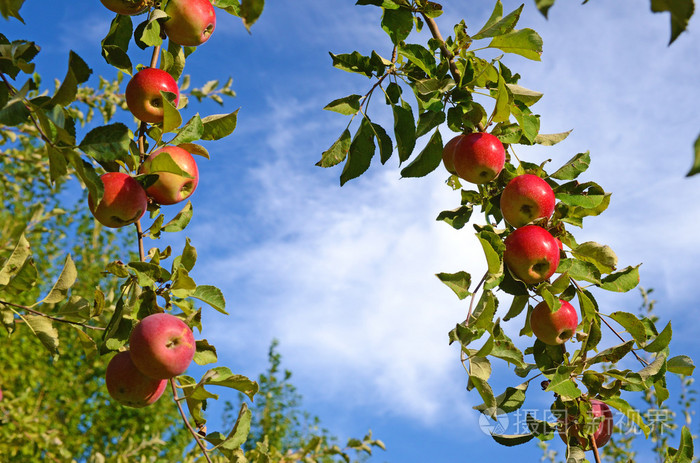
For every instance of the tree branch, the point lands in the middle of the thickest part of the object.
(435, 31)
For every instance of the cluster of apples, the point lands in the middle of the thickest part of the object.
(189, 23)
(161, 346)
(532, 253)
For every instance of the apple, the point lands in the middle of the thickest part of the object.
(171, 188)
(127, 7)
(191, 22)
(554, 328)
(532, 254)
(448, 154)
(602, 416)
(479, 157)
(128, 386)
(143, 97)
(123, 203)
(526, 198)
(162, 346)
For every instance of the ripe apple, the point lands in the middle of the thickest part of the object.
(479, 157)
(123, 203)
(162, 346)
(143, 96)
(191, 22)
(448, 154)
(532, 254)
(127, 7)
(554, 328)
(128, 386)
(171, 188)
(602, 415)
(526, 198)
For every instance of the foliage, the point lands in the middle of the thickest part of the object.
(457, 81)
(282, 431)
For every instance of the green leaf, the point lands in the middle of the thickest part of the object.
(171, 116)
(386, 146)
(78, 73)
(337, 152)
(544, 6)
(517, 306)
(494, 259)
(602, 256)
(631, 413)
(419, 56)
(680, 365)
(193, 130)
(528, 122)
(397, 23)
(457, 218)
(181, 220)
(250, 11)
(236, 437)
(353, 62)
(116, 44)
(427, 160)
(205, 353)
(509, 401)
(107, 143)
(43, 328)
(662, 341)
(16, 261)
(527, 97)
(573, 167)
(428, 120)
(360, 153)
(613, 354)
(496, 26)
(502, 108)
(523, 42)
(580, 270)
(681, 12)
(551, 139)
(183, 285)
(211, 295)
(632, 324)
(684, 453)
(404, 131)
(10, 8)
(222, 376)
(562, 384)
(458, 282)
(65, 281)
(348, 105)
(696, 163)
(219, 126)
(512, 440)
(622, 281)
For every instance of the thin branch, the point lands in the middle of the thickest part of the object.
(471, 303)
(13, 91)
(139, 233)
(435, 31)
(595, 449)
(42, 314)
(187, 423)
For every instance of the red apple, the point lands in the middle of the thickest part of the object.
(127, 7)
(601, 433)
(171, 188)
(143, 96)
(554, 328)
(479, 157)
(532, 254)
(123, 203)
(191, 22)
(448, 154)
(526, 198)
(128, 386)
(162, 346)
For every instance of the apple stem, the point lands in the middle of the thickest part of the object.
(641, 360)
(194, 433)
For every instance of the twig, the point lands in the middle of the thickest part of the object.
(595, 449)
(471, 303)
(13, 91)
(435, 31)
(187, 423)
(42, 314)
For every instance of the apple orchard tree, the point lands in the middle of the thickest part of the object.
(143, 317)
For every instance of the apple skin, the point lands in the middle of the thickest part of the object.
(128, 386)
(143, 96)
(191, 22)
(123, 203)
(448, 154)
(479, 157)
(526, 198)
(172, 188)
(532, 254)
(554, 328)
(162, 346)
(127, 7)
(601, 435)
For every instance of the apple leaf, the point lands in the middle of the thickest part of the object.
(222, 376)
(348, 105)
(194, 148)
(14, 263)
(419, 56)
(681, 12)
(188, 257)
(501, 110)
(457, 218)
(427, 160)
(353, 62)
(171, 116)
(148, 34)
(337, 152)
(78, 73)
(562, 384)
(193, 130)
(10, 8)
(517, 306)
(181, 220)
(397, 23)
(662, 341)
(684, 453)
(632, 324)
(544, 6)
(523, 42)
(231, 6)
(212, 296)
(219, 126)
(696, 163)
(458, 282)
(528, 97)
(573, 167)
(602, 256)
(250, 11)
(43, 328)
(631, 413)
(680, 365)
(611, 355)
(496, 25)
(427, 121)
(404, 130)
(237, 436)
(386, 146)
(510, 400)
(116, 44)
(622, 281)
(360, 153)
(107, 143)
(183, 285)
(580, 270)
(551, 139)
(65, 281)
(205, 353)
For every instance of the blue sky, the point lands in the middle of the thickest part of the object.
(344, 276)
